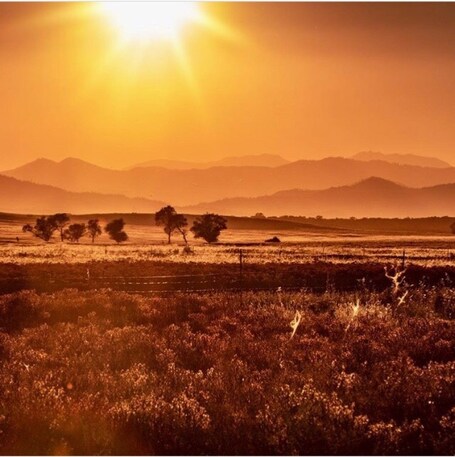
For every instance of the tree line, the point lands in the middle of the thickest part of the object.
(207, 227)
(46, 226)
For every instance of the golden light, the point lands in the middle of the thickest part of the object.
(143, 21)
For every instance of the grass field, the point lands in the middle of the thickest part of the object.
(105, 349)
(148, 243)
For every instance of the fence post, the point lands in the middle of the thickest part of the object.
(241, 275)
(403, 259)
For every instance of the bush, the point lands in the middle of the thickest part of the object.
(114, 373)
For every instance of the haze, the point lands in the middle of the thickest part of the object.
(300, 80)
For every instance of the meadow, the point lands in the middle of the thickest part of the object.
(309, 347)
(148, 243)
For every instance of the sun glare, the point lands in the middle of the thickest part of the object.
(149, 20)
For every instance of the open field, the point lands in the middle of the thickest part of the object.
(146, 348)
(301, 243)
(227, 228)
(433, 251)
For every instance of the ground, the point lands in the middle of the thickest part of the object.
(152, 349)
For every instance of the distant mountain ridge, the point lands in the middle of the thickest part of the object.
(192, 186)
(257, 160)
(402, 159)
(28, 198)
(373, 197)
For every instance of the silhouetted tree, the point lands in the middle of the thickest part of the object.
(181, 224)
(171, 222)
(61, 220)
(94, 229)
(209, 227)
(44, 228)
(453, 228)
(115, 230)
(75, 232)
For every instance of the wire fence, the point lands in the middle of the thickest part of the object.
(159, 284)
(238, 279)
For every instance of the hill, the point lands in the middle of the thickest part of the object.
(383, 226)
(25, 197)
(190, 187)
(402, 159)
(373, 197)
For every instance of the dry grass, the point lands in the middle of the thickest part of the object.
(114, 373)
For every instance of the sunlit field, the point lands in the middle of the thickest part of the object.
(321, 344)
(148, 243)
(422, 252)
(227, 228)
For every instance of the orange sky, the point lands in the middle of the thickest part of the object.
(299, 80)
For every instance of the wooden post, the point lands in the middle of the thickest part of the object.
(241, 262)
(241, 274)
(403, 260)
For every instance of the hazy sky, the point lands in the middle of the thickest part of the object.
(299, 80)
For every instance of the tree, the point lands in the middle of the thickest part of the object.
(171, 222)
(44, 228)
(453, 228)
(115, 230)
(75, 232)
(94, 229)
(181, 223)
(209, 227)
(61, 220)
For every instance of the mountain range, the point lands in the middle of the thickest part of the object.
(373, 197)
(261, 160)
(192, 186)
(29, 198)
(402, 159)
(332, 187)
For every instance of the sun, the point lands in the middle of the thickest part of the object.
(144, 21)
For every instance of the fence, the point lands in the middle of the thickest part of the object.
(229, 277)
(159, 284)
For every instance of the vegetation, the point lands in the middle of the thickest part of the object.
(171, 222)
(209, 227)
(114, 373)
(364, 366)
(115, 230)
(94, 229)
(44, 228)
(61, 220)
(75, 232)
